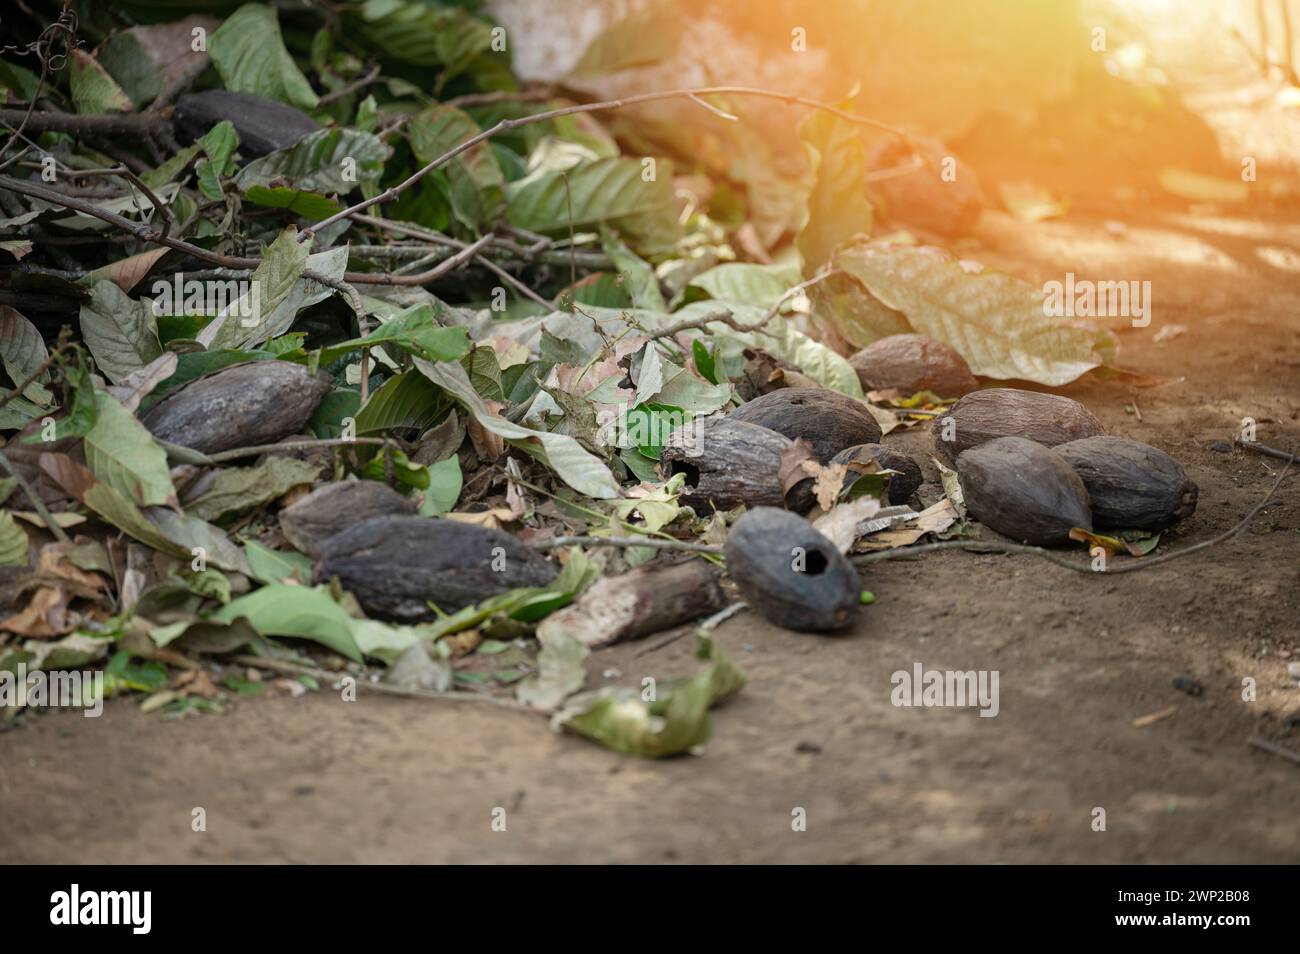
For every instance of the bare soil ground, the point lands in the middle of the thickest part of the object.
(316, 779)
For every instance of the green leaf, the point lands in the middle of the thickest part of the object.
(274, 283)
(93, 90)
(744, 282)
(121, 333)
(241, 488)
(704, 362)
(560, 673)
(638, 277)
(405, 471)
(474, 184)
(22, 350)
(406, 400)
(13, 541)
(275, 566)
(413, 329)
(838, 208)
(424, 34)
(578, 468)
(825, 366)
(306, 205)
(122, 453)
(643, 37)
(332, 160)
(993, 320)
(603, 191)
(445, 481)
(283, 609)
(249, 54)
(676, 721)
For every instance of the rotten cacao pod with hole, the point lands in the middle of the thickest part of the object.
(827, 420)
(912, 363)
(790, 573)
(396, 566)
(980, 416)
(259, 402)
(263, 124)
(729, 463)
(901, 486)
(1131, 484)
(1023, 491)
(331, 509)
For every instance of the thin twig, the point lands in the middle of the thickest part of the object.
(361, 83)
(1279, 750)
(684, 546)
(505, 125)
(1267, 451)
(241, 452)
(35, 499)
(383, 688)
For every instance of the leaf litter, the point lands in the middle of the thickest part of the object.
(457, 404)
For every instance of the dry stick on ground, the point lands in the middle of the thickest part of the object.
(413, 231)
(505, 125)
(1279, 750)
(1267, 451)
(726, 318)
(685, 546)
(148, 234)
(384, 688)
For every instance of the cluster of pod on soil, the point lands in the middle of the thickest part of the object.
(1034, 466)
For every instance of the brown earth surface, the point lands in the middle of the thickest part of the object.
(1080, 657)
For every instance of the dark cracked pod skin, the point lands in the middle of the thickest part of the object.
(396, 566)
(981, 416)
(1131, 484)
(729, 464)
(259, 402)
(333, 508)
(826, 420)
(762, 551)
(913, 363)
(1024, 491)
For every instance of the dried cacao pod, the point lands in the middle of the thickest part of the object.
(244, 405)
(980, 416)
(1023, 491)
(902, 486)
(790, 573)
(729, 463)
(827, 420)
(912, 363)
(1131, 484)
(263, 124)
(331, 509)
(397, 566)
(950, 207)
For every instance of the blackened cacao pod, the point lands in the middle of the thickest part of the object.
(1131, 484)
(244, 405)
(729, 463)
(397, 566)
(912, 363)
(263, 125)
(827, 420)
(1023, 491)
(791, 574)
(980, 416)
(331, 509)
